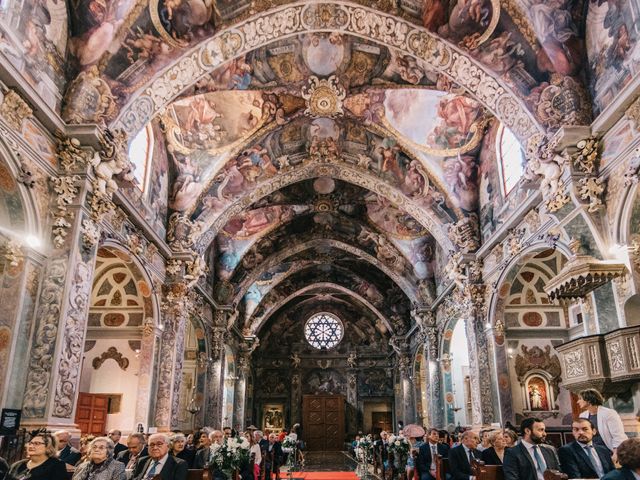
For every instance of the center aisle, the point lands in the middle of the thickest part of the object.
(327, 466)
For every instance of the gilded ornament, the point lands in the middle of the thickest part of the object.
(590, 189)
(66, 190)
(323, 97)
(113, 354)
(90, 233)
(585, 160)
(14, 109)
(70, 152)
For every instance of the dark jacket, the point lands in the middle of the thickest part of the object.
(188, 456)
(575, 462)
(119, 448)
(423, 462)
(4, 468)
(490, 457)
(459, 467)
(125, 456)
(202, 458)
(69, 455)
(52, 469)
(622, 474)
(276, 456)
(518, 464)
(173, 469)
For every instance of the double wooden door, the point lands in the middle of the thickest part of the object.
(323, 422)
(91, 413)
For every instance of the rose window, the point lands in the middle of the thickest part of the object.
(323, 331)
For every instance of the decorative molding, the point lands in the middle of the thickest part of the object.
(182, 233)
(323, 97)
(590, 189)
(70, 153)
(12, 253)
(14, 109)
(113, 354)
(66, 190)
(633, 114)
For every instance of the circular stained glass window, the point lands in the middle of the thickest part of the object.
(323, 330)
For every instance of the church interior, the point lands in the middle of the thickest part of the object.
(246, 212)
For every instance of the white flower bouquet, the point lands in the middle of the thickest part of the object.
(233, 454)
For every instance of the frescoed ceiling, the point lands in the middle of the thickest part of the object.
(328, 144)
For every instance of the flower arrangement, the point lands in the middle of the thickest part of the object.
(364, 449)
(288, 444)
(233, 454)
(399, 446)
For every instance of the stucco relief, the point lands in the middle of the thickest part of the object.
(361, 21)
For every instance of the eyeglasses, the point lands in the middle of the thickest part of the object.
(157, 445)
(36, 443)
(98, 447)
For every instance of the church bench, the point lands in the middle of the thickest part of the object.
(555, 475)
(486, 472)
(442, 466)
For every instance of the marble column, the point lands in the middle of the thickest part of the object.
(434, 380)
(215, 374)
(247, 347)
(54, 363)
(175, 311)
(406, 407)
(150, 333)
(482, 401)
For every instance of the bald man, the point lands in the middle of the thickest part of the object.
(159, 462)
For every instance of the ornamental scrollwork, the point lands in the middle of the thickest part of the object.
(111, 162)
(182, 233)
(14, 109)
(590, 190)
(70, 153)
(12, 253)
(66, 190)
(585, 160)
(323, 97)
(464, 234)
(113, 354)
(546, 164)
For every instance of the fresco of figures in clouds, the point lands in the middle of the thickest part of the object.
(613, 30)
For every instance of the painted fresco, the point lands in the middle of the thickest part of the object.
(612, 34)
(12, 215)
(36, 44)
(158, 192)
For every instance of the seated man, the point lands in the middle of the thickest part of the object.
(629, 457)
(460, 457)
(531, 457)
(159, 462)
(66, 452)
(136, 449)
(115, 435)
(582, 458)
(426, 462)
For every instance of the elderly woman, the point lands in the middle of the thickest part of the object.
(100, 464)
(41, 462)
(84, 448)
(510, 438)
(177, 445)
(494, 455)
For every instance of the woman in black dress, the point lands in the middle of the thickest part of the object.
(494, 454)
(41, 462)
(177, 446)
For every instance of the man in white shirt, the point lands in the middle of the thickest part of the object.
(159, 462)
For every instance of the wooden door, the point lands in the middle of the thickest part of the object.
(91, 413)
(323, 422)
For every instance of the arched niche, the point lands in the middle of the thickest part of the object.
(526, 327)
(118, 359)
(20, 274)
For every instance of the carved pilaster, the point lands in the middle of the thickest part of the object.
(14, 109)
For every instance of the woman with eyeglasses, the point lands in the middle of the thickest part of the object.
(41, 462)
(100, 465)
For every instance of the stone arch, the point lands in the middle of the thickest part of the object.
(9, 172)
(343, 171)
(121, 276)
(340, 288)
(353, 19)
(283, 255)
(504, 355)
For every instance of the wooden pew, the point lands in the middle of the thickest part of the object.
(486, 472)
(442, 466)
(555, 475)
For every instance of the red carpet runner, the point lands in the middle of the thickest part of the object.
(323, 476)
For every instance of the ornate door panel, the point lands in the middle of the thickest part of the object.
(91, 413)
(323, 422)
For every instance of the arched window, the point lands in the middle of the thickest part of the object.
(140, 152)
(510, 157)
(323, 331)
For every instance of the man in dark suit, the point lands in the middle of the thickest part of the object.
(159, 462)
(115, 435)
(531, 457)
(426, 462)
(136, 449)
(460, 456)
(582, 458)
(66, 453)
(274, 458)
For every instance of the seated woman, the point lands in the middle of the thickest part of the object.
(41, 462)
(84, 448)
(100, 464)
(177, 448)
(494, 455)
(510, 438)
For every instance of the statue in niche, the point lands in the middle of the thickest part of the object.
(538, 395)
